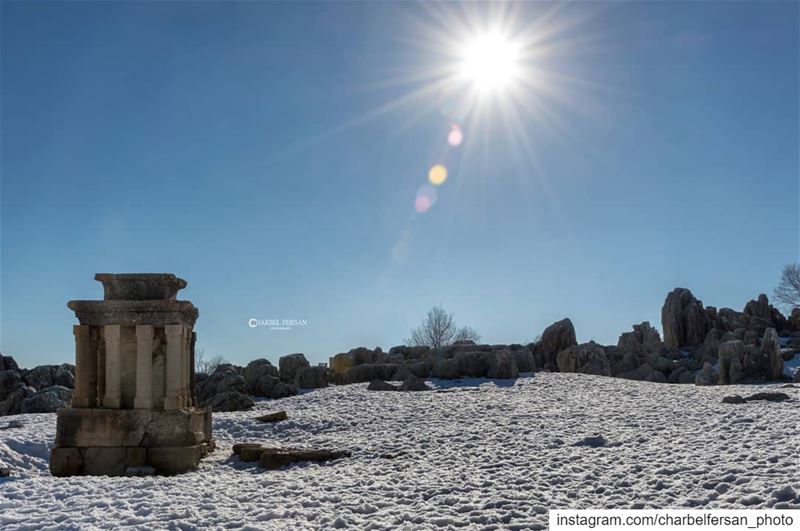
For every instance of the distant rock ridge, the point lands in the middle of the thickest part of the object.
(701, 345)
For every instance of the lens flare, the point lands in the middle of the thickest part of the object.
(437, 175)
(426, 197)
(456, 136)
(422, 204)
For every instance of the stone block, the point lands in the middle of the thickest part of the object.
(250, 453)
(123, 427)
(105, 461)
(174, 460)
(66, 462)
(135, 456)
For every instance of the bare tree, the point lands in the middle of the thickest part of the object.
(788, 290)
(438, 329)
(206, 365)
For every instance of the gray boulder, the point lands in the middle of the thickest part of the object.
(272, 387)
(363, 355)
(258, 368)
(10, 381)
(261, 379)
(412, 383)
(446, 369)
(48, 400)
(289, 365)
(45, 376)
(470, 363)
(555, 338)
(524, 359)
(501, 364)
(311, 377)
(587, 358)
(230, 401)
(12, 404)
(707, 376)
(380, 385)
(225, 378)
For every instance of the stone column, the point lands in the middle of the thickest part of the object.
(174, 398)
(192, 394)
(144, 367)
(85, 367)
(113, 397)
(185, 368)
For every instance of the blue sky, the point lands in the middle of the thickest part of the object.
(270, 154)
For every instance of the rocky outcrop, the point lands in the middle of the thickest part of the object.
(643, 340)
(225, 378)
(587, 358)
(501, 364)
(45, 376)
(12, 403)
(707, 376)
(261, 379)
(555, 338)
(44, 389)
(683, 319)
(771, 350)
(223, 390)
(367, 373)
(465, 359)
(290, 364)
(311, 377)
(731, 354)
(47, 400)
(229, 401)
(769, 316)
(7, 363)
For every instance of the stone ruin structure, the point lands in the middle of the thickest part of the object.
(134, 409)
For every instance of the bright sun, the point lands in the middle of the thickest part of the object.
(490, 62)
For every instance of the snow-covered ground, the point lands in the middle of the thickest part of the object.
(482, 455)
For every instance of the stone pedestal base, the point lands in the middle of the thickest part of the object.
(94, 441)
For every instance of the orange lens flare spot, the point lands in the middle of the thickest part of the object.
(437, 175)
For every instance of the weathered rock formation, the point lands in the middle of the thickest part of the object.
(731, 354)
(555, 338)
(311, 377)
(263, 379)
(43, 389)
(290, 365)
(683, 319)
(587, 358)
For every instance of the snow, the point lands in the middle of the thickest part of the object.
(483, 454)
